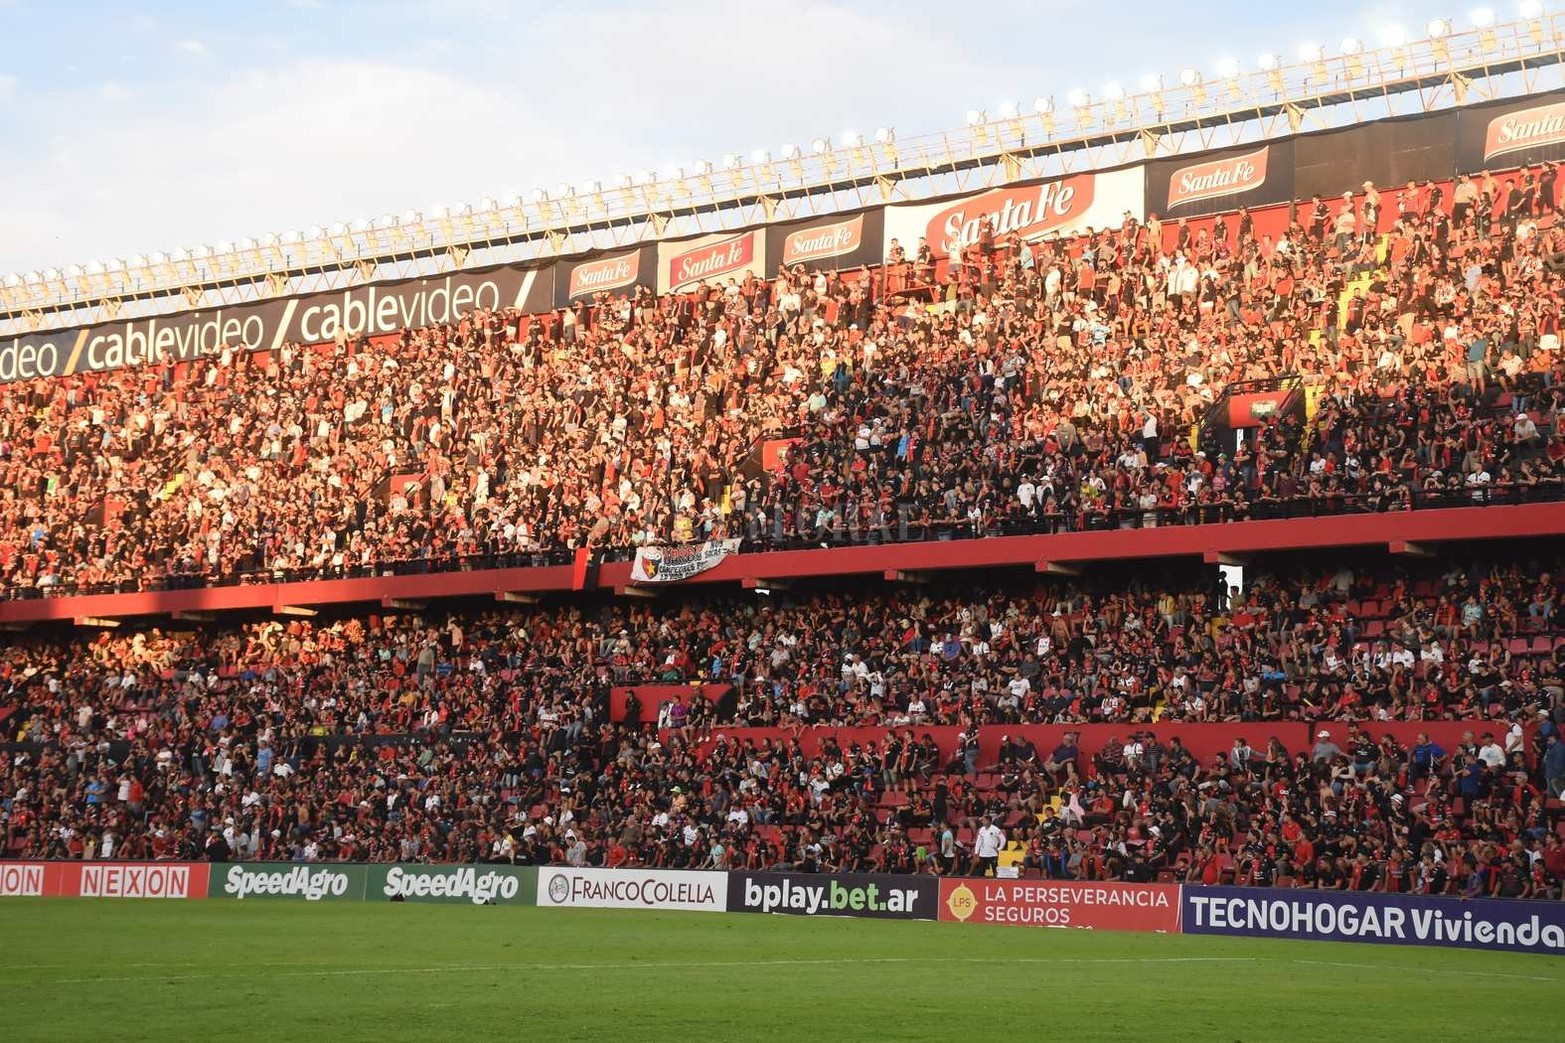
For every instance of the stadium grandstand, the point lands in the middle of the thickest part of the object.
(1190, 514)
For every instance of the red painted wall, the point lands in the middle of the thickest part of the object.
(654, 695)
(1204, 741)
(1430, 527)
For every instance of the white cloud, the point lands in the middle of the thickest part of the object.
(312, 142)
(306, 131)
(267, 151)
(8, 84)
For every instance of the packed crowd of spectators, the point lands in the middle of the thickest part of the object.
(490, 736)
(1026, 385)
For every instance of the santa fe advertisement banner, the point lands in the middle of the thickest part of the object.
(1189, 186)
(844, 241)
(672, 564)
(1033, 211)
(711, 259)
(1062, 903)
(1511, 134)
(875, 896)
(617, 273)
(1537, 927)
(460, 885)
(691, 890)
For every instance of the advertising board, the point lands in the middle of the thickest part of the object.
(1394, 919)
(312, 882)
(872, 895)
(366, 311)
(686, 889)
(462, 885)
(1107, 904)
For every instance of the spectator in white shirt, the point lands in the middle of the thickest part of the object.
(986, 848)
(1491, 752)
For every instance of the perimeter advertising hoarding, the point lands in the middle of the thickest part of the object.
(1216, 182)
(24, 879)
(1393, 919)
(1388, 154)
(617, 273)
(135, 880)
(1033, 210)
(685, 264)
(103, 879)
(1106, 905)
(829, 243)
(458, 885)
(690, 890)
(876, 896)
(368, 310)
(312, 882)
(1511, 133)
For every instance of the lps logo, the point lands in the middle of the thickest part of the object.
(962, 902)
(559, 889)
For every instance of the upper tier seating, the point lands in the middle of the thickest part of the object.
(1054, 386)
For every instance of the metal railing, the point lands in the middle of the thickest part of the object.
(907, 528)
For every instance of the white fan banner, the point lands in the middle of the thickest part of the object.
(672, 564)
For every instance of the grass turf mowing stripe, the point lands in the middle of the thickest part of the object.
(171, 971)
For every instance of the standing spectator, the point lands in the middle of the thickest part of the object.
(987, 845)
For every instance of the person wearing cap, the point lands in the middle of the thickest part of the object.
(1325, 750)
(1491, 752)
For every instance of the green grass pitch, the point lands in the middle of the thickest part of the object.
(289, 971)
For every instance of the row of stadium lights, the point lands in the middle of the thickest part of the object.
(1228, 68)
(1152, 84)
(413, 219)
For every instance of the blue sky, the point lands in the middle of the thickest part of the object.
(135, 127)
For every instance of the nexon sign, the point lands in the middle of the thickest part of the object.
(137, 881)
(21, 880)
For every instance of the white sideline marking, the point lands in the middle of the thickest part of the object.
(472, 968)
(1437, 970)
